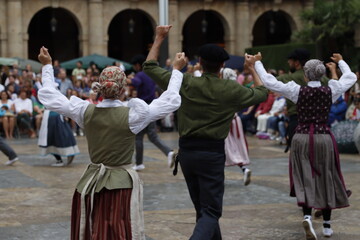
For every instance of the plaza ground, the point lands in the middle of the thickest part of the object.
(35, 198)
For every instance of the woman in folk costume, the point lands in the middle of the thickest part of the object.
(315, 175)
(56, 138)
(107, 203)
(236, 149)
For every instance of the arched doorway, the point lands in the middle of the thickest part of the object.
(272, 28)
(130, 33)
(200, 28)
(56, 29)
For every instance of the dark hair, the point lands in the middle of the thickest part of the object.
(80, 62)
(210, 66)
(138, 59)
(300, 54)
(9, 97)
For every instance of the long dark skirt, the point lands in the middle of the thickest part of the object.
(325, 189)
(110, 215)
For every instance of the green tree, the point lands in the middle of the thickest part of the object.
(331, 25)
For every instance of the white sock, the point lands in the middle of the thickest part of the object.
(307, 217)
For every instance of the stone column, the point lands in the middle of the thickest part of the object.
(96, 29)
(243, 27)
(14, 26)
(175, 32)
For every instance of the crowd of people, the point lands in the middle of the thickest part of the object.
(296, 108)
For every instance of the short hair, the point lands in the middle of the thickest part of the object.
(211, 66)
(300, 54)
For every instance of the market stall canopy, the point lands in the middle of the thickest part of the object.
(235, 62)
(35, 66)
(99, 60)
(8, 61)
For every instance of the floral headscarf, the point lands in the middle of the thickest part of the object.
(111, 81)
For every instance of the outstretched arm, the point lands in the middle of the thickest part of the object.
(250, 64)
(53, 99)
(332, 68)
(346, 81)
(151, 66)
(161, 33)
(289, 90)
(168, 102)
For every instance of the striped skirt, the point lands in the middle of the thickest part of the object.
(321, 185)
(110, 215)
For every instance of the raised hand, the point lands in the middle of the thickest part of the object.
(162, 31)
(258, 56)
(179, 61)
(336, 57)
(44, 56)
(331, 66)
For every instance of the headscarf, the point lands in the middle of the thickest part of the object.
(314, 69)
(111, 81)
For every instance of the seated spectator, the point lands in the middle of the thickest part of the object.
(64, 82)
(78, 73)
(38, 113)
(276, 112)
(93, 97)
(78, 88)
(10, 90)
(24, 109)
(356, 111)
(7, 117)
(262, 111)
(282, 126)
(337, 111)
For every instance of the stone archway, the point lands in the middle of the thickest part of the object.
(130, 33)
(57, 29)
(202, 27)
(272, 27)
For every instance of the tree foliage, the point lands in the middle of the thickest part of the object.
(330, 19)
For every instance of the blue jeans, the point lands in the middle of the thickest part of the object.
(7, 150)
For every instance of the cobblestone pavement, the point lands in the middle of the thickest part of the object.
(35, 198)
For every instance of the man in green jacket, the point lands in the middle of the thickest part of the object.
(296, 61)
(208, 106)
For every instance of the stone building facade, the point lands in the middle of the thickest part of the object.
(235, 24)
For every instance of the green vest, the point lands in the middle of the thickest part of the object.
(111, 143)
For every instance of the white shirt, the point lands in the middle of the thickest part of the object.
(277, 106)
(23, 104)
(140, 113)
(9, 103)
(291, 89)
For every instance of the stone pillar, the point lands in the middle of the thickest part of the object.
(96, 29)
(14, 26)
(175, 32)
(243, 27)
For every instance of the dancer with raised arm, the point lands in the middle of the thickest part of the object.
(207, 109)
(315, 175)
(107, 203)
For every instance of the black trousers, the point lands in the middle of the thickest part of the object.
(204, 175)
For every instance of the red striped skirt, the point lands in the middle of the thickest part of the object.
(110, 215)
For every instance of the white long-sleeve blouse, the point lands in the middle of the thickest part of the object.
(291, 89)
(140, 113)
